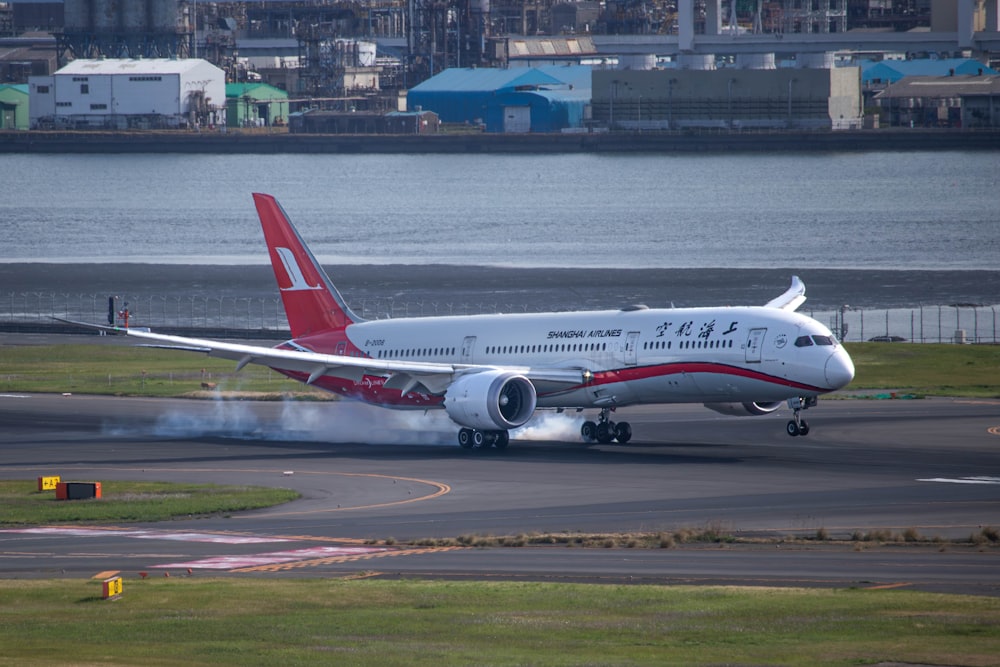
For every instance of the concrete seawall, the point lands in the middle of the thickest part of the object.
(237, 142)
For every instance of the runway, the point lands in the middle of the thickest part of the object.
(931, 466)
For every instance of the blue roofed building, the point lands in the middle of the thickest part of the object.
(890, 71)
(549, 98)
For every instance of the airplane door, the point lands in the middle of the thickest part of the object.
(468, 347)
(754, 344)
(631, 348)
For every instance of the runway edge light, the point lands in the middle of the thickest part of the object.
(112, 588)
(48, 483)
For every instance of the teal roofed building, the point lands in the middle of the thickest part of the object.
(255, 105)
(890, 71)
(14, 106)
(550, 98)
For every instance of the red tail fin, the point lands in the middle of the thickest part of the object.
(312, 303)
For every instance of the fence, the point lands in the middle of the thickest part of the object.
(924, 324)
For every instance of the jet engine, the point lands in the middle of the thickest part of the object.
(744, 409)
(490, 400)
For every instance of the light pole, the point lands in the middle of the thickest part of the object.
(790, 82)
(729, 88)
(843, 325)
(612, 87)
(670, 103)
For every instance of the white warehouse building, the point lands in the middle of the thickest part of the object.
(129, 93)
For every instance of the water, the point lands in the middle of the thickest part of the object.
(871, 210)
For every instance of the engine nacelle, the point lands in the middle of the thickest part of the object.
(491, 400)
(744, 409)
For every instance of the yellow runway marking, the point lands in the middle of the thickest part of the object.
(441, 487)
(282, 567)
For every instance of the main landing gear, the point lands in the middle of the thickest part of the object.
(470, 437)
(605, 430)
(796, 425)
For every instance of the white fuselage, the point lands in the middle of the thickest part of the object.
(677, 355)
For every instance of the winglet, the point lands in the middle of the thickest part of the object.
(312, 303)
(793, 297)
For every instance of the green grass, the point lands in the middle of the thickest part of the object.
(928, 369)
(22, 504)
(941, 370)
(194, 621)
(133, 371)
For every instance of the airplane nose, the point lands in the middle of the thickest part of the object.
(839, 369)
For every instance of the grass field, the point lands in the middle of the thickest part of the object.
(126, 370)
(924, 369)
(194, 621)
(22, 504)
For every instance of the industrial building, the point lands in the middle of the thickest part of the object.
(13, 107)
(316, 121)
(255, 105)
(735, 99)
(540, 99)
(969, 101)
(129, 93)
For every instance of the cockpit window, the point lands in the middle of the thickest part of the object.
(823, 340)
(803, 341)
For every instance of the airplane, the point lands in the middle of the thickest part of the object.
(491, 373)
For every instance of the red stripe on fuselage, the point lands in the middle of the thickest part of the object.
(632, 373)
(371, 389)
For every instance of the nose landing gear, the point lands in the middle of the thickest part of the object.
(605, 430)
(796, 425)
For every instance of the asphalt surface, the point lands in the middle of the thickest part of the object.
(930, 466)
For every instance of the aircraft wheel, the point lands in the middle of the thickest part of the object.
(465, 438)
(589, 431)
(478, 439)
(803, 427)
(623, 432)
(605, 432)
(503, 437)
(792, 428)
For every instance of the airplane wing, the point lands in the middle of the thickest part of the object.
(793, 297)
(404, 375)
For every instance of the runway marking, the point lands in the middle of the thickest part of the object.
(332, 560)
(963, 480)
(214, 538)
(442, 488)
(272, 558)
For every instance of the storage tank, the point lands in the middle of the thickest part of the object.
(166, 16)
(134, 18)
(823, 60)
(755, 61)
(637, 62)
(106, 16)
(353, 53)
(694, 61)
(78, 15)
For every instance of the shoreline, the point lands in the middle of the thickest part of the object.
(515, 289)
(250, 142)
